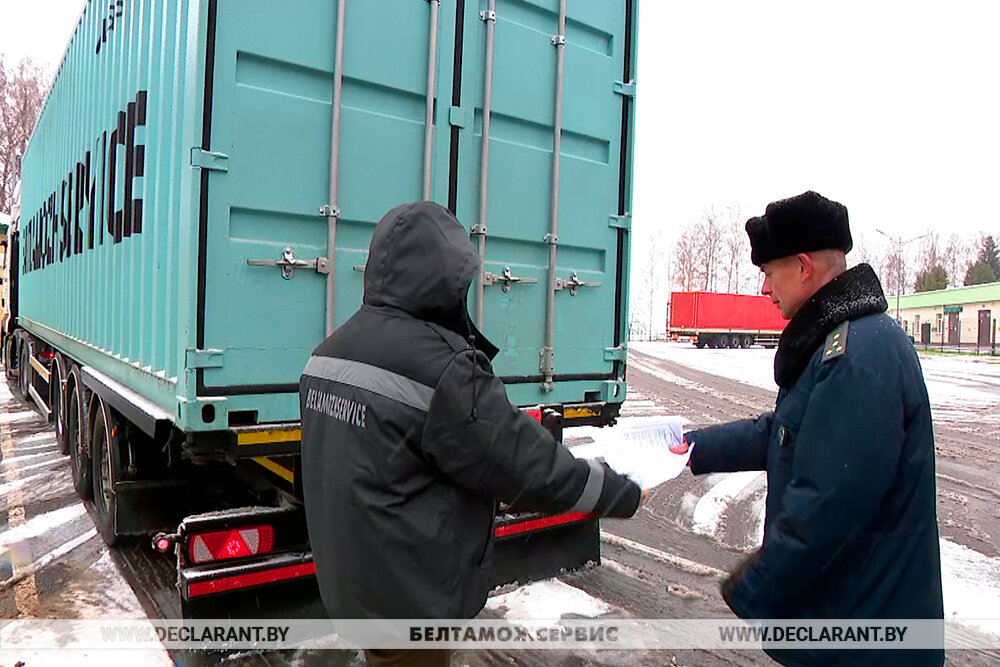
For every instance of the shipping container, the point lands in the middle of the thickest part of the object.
(199, 194)
(724, 320)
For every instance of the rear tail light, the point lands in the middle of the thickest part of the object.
(47, 356)
(535, 414)
(233, 543)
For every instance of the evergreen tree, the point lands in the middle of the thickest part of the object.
(980, 273)
(934, 278)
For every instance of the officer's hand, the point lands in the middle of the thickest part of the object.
(681, 448)
(642, 498)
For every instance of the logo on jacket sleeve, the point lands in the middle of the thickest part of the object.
(337, 407)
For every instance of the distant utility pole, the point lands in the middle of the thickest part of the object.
(898, 240)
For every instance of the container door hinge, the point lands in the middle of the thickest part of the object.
(202, 159)
(625, 89)
(615, 353)
(203, 358)
(458, 117)
(621, 221)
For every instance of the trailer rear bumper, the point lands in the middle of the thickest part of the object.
(202, 580)
(527, 548)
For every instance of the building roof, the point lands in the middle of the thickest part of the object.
(948, 297)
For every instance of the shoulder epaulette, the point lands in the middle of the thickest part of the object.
(836, 342)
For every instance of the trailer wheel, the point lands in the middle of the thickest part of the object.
(8, 357)
(76, 430)
(57, 399)
(734, 341)
(106, 470)
(24, 368)
(746, 342)
(700, 342)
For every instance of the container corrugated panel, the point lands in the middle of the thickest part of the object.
(206, 129)
(106, 233)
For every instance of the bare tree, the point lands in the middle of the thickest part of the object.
(710, 248)
(894, 273)
(685, 257)
(737, 251)
(22, 94)
(956, 258)
(930, 252)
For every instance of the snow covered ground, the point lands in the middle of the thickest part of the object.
(960, 388)
(52, 564)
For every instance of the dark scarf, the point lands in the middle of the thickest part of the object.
(853, 294)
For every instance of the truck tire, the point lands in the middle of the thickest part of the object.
(57, 399)
(700, 342)
(79, 438)
(106, 470)
(8, 358)
(746, 342)
(24, 372)
(734, 341)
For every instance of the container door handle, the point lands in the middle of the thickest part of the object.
(573, 284)
(506, 279)
(288, 262)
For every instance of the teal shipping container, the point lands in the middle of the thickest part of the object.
(201, 187)
(182, 139)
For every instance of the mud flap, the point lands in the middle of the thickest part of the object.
(534, 548)
(147, 507)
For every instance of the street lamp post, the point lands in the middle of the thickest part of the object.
(898, 240)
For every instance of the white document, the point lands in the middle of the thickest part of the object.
(640, 451)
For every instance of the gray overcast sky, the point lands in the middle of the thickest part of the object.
(890, 107)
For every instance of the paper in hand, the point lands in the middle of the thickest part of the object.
(641, 451)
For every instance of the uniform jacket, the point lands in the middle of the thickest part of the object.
(851, 524)
(408, 438)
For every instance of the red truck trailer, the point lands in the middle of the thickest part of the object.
(724, 320)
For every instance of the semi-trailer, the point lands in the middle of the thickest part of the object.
(197, 200)
(715, 319)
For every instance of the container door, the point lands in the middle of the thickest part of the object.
(266, 169)
(520, 185)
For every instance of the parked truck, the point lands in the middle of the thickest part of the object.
(198, 197)
(717, 320)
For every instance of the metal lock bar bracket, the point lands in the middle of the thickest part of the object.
(506, 279)
(573, 284)
(289, 262)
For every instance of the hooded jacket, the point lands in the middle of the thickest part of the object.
(850, 528)
(408, 438)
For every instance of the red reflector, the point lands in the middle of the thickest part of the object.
(162, 544)
(46, 355)
(233, 543)
(535, 414)
(252, 579)
(544, 522)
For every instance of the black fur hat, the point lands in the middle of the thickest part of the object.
(804, 223)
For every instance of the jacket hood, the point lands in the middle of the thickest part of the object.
(421, 261)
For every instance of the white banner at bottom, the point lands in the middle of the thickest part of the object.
(603, 633)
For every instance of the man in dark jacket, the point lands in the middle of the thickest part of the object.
(850, 530)
(409, 439)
